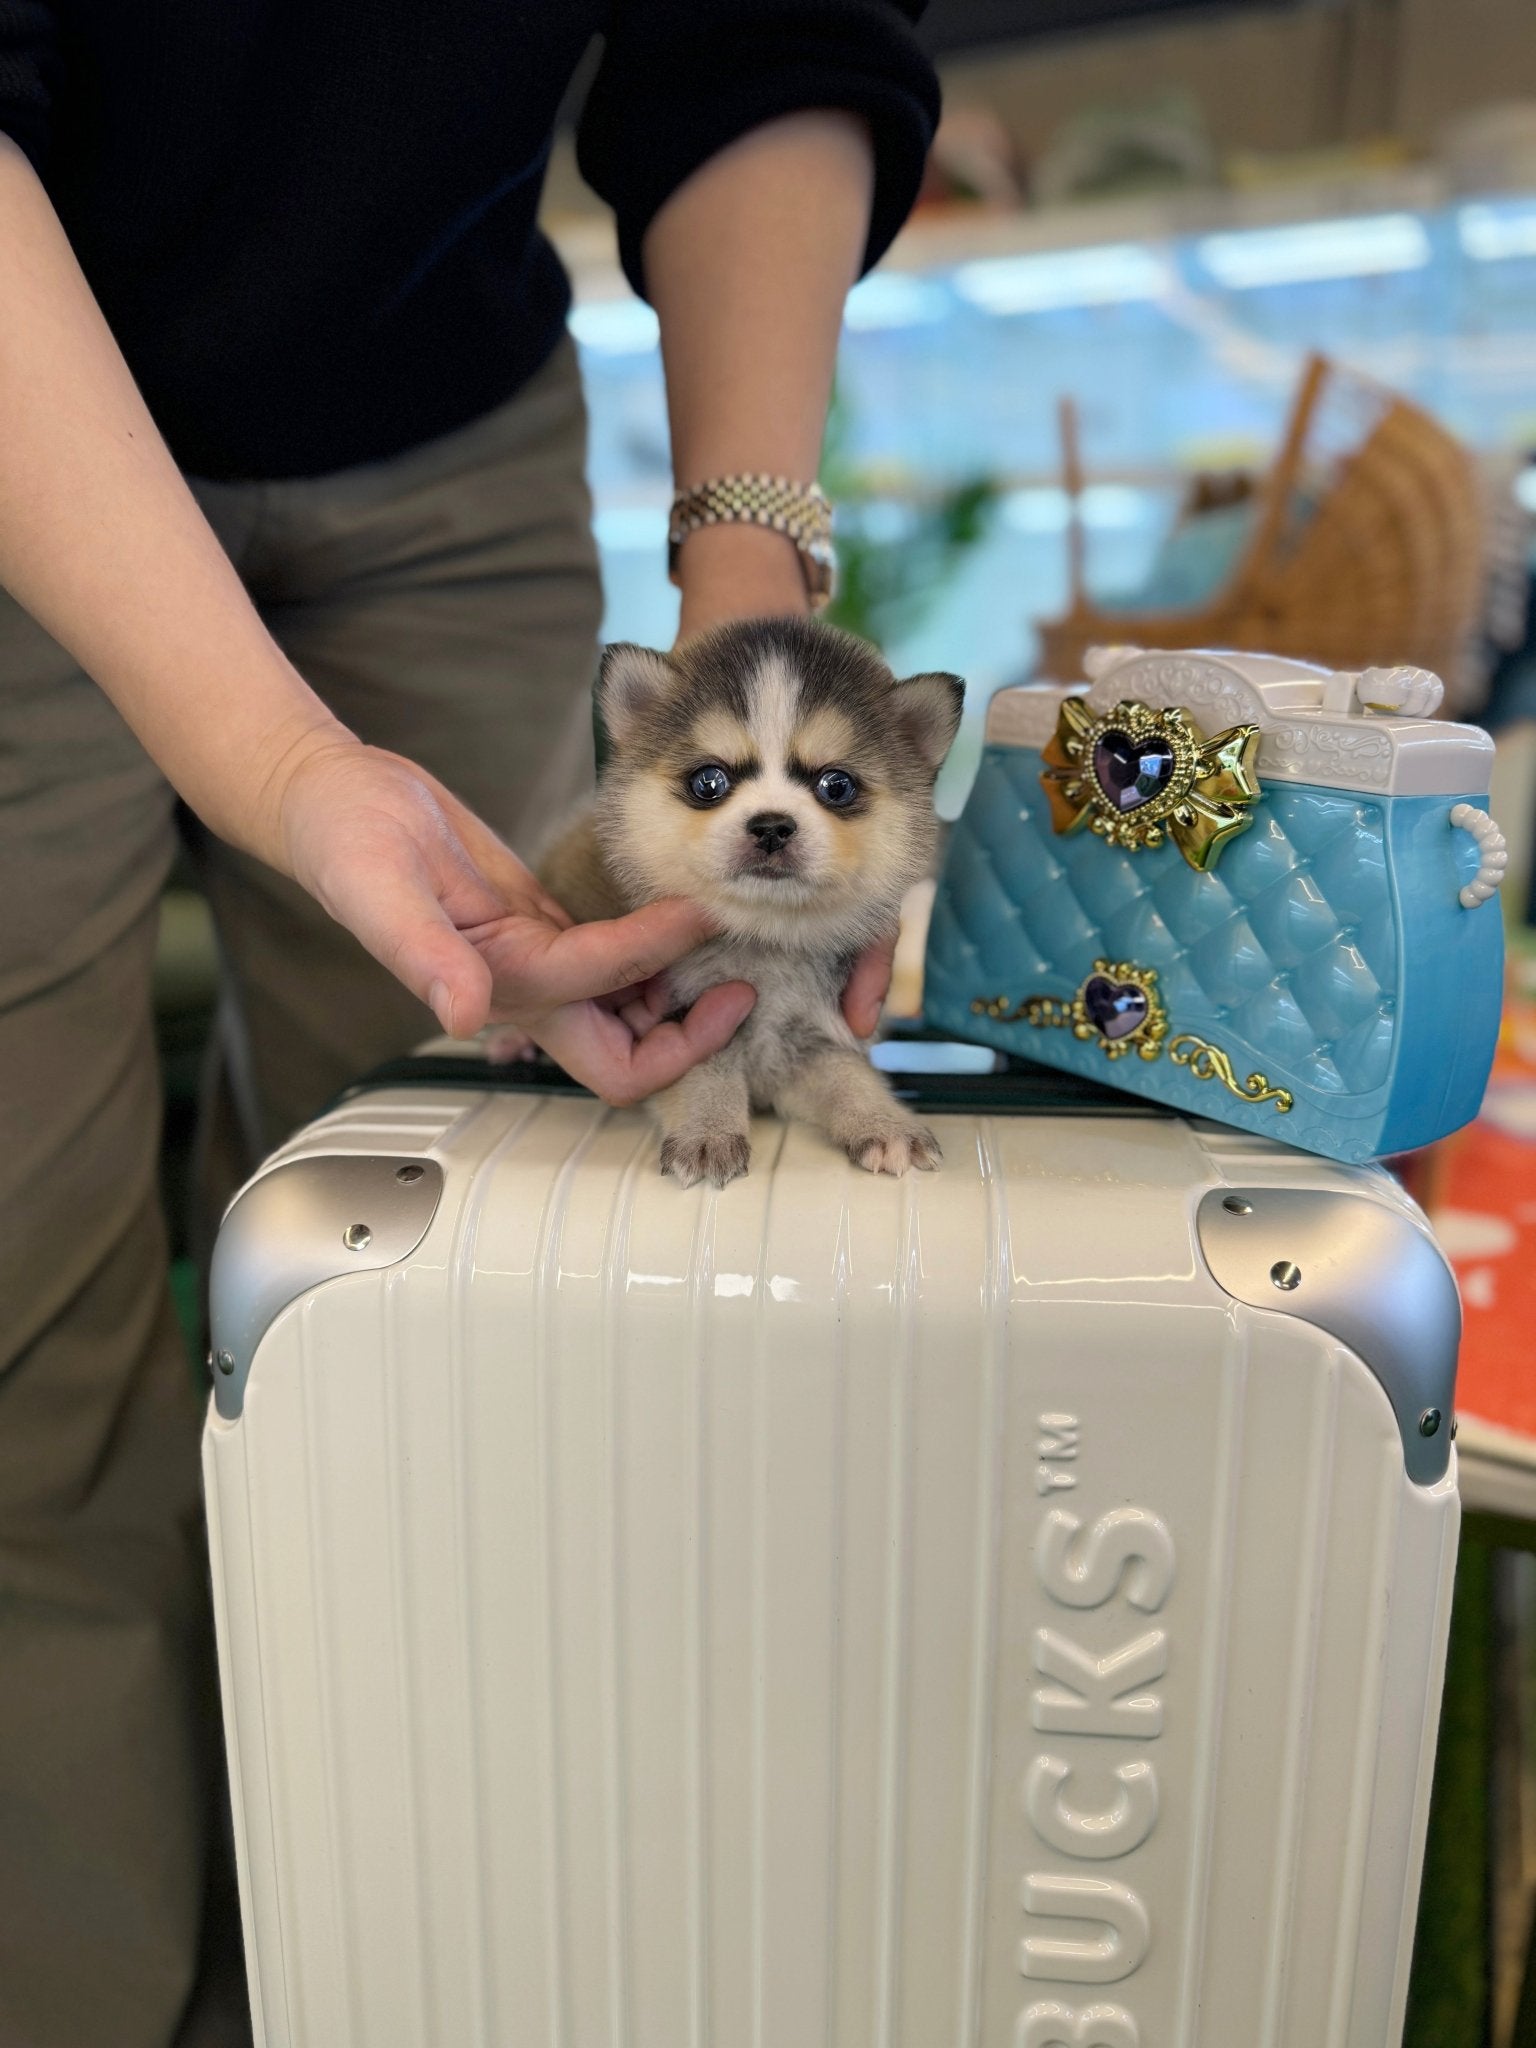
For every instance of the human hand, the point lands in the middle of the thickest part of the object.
(436, 897)
(868, 986)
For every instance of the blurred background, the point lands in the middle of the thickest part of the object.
(1157, 212)
(1217, 323)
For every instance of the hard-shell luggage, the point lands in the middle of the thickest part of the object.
(1002, 1608)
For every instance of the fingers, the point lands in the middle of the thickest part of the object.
(867, 987)
(644, 1008)
(665, 1054)
(448, 974)
(552, 967)
(510, 877)
(546, 905)
(389, 904)
(601, 1052)
(508, 1045)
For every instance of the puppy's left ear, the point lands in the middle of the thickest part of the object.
(927, 711)
(630, 681)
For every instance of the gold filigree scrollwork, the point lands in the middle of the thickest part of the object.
(1041, 1011)
(1137, 776)
(1117, 1004)
(1208, 1062)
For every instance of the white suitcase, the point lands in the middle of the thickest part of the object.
(996, 1609)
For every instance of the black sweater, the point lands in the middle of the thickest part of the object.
(311, 223)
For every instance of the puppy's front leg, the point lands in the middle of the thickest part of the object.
(706, 1122)
(839, 1091)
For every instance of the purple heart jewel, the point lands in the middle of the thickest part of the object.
(1115, 1008)
(1129, 771)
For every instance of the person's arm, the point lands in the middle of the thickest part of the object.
(103, 543)
(747, 265)
(758, 156)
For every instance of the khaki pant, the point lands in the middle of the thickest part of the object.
(446, 605)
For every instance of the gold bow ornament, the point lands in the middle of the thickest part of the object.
(1136, 776)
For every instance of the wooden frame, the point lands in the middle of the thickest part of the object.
(1367, 546)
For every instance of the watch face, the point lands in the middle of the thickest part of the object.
(819, 562)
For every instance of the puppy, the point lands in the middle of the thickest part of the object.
(778, 774)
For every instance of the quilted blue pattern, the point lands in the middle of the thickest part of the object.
(1288, 955)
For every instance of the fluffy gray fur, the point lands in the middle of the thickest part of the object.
(775, 705)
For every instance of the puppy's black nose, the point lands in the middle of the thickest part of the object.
(771, 830)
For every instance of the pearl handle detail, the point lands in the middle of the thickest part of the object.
(1492, 847)
(1409, 692)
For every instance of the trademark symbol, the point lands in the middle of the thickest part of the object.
(1057, 1446)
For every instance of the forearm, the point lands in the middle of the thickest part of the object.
(748, 265)
(103, 543)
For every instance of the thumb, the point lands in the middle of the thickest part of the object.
(451, 978)
(595, 959)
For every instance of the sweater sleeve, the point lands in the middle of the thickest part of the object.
(29, 63)
(680, 79)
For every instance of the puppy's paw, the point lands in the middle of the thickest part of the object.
(506, 1044)
(894, 1150)
(718, 1158)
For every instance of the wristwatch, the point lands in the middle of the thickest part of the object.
(799, 511)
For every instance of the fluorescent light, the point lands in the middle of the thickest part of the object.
(1116, 274)
(1044, 509)
(917, 1056)
(1035, 511)
(1489, 234)
(890, 299)
(1117, 505)
(1367, 247)
(616, 327)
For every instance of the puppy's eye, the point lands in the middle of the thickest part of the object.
(707, 785)
(836, 788)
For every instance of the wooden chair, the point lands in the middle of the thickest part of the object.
(1367, 546)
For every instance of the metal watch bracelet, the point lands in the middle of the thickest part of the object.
(799, 511)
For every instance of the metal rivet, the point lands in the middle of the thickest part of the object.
(357, 1237)
(409, 1173)
(1429, 1422)
(224, 1360)
(1285, 1275)
(1237, 1205)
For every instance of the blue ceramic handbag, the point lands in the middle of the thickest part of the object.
(1247, 887)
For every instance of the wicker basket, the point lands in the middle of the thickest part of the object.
(1367, 546)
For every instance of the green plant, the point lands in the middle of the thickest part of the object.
(888, 585)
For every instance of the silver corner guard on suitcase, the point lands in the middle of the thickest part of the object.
(302, 1223)
(1305, 1252)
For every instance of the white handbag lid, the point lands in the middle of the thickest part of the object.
(1371, 730)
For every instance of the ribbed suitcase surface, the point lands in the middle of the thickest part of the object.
(836, 1611)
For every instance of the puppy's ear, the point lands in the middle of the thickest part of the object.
(927, 712)
(630, 680)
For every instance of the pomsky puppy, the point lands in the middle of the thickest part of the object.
(778, 774)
